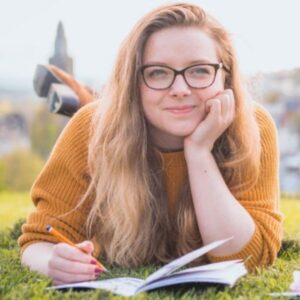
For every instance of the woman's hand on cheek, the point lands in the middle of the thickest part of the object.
(220, 114)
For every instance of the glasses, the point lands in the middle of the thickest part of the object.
(197, 76)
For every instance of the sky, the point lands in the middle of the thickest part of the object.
(265, 34)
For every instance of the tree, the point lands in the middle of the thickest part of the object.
(19, 169)
(45, 129)
(272, 97)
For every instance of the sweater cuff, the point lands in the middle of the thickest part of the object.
(250, 253)
(24, 242)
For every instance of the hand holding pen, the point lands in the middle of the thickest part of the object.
(72, 262)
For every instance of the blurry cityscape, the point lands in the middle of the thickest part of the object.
(27, 125)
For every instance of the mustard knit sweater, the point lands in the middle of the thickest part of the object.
(64, 179)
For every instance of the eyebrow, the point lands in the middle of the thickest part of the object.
(190, 63)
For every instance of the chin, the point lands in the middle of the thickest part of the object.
(183, 132)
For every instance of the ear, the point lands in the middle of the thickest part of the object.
(227, 80)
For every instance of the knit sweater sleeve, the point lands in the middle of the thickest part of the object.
(262, 202)
(61, 184)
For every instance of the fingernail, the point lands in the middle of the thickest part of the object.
(97, 275)
(93, 262)
(98, 270)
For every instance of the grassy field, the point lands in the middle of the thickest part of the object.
(13, 206)
(16, 282)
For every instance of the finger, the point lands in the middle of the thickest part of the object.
(232, 105)
(71, 266)
(214, 108)
(228, 103)
(86, 246)
(232, 109)
(71, 253)
(57, 282)
(228, 92)
(226, 108)
(64, 277)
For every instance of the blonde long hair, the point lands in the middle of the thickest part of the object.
(129, 213)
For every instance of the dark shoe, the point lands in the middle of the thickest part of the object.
(62, 100)
(65, 95)
(43, 78)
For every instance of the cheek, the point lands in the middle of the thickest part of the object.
(213, 90)
(150, 101)
(150, 98)
(146, 98)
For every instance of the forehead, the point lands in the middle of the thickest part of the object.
(180, 45)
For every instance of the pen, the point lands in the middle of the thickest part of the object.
(64, 239)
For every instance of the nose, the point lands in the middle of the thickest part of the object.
(179, 87)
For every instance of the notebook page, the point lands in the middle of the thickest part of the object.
(183, 260)
(227, 276)
(125, 286)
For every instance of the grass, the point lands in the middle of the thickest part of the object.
(291, 210)
(16, 282)
(13, 206)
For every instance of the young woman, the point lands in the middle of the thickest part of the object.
(172, 158)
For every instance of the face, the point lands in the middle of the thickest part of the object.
(175, 112)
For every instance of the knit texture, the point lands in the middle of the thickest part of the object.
(64, 179)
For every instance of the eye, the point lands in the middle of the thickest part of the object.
(156, 72)
(200, 71)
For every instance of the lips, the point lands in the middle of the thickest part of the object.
(180, 109)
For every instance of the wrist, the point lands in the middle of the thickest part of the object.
(32, 258)
(197, 153)
(192, 147)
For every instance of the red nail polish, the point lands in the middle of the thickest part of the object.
(98, 270)
(93, 262)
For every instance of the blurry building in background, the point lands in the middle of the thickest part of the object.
(280, 94)
(14, 133)
(61, 59)
(16, 114)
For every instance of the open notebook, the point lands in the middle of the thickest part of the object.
(227, 273)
